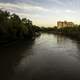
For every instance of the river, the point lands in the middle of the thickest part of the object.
(49, 57)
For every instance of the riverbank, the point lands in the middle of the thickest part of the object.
(71, 32)
(11, 41)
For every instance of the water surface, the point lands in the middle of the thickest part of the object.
(49, 57)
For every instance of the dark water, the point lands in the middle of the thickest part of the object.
(49, 57)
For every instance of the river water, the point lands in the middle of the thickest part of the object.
(49, 57)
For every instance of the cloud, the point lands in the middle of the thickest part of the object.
(43, 11)
(8, 1)
(21, 7)
(70, 11)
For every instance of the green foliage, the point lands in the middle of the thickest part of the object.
(12, 27)
(73, 32)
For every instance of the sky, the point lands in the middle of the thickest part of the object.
(44, 12)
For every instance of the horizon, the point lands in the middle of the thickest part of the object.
(44, 13)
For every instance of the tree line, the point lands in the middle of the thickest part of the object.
(12, 27)
(72, 32)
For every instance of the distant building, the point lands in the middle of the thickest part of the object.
(62, 24)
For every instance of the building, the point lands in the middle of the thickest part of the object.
(62, 24)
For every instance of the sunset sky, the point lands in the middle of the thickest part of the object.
(44, 12)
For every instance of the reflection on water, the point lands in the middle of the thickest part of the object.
(10, 57)
(49, 57)
(61, 39)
